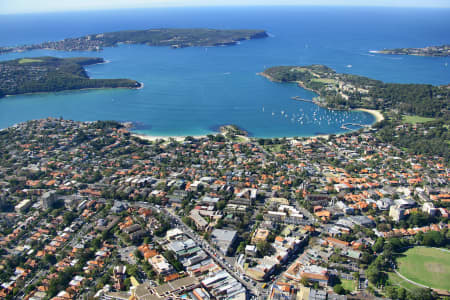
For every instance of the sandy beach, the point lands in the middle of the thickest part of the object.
(376, 113)
(153, 138)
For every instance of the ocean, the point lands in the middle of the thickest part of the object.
(193, 91)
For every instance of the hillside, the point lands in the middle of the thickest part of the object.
(51, 74)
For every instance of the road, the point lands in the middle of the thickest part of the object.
(215, 254)
(410, 281)
(211, 251)
(39, 274)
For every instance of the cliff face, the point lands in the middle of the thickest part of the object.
(260, 35)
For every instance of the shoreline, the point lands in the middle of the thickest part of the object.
(141, 86)
(105, 61)
(376, 113)
(181, 138)
(153, 138)
(75, 90)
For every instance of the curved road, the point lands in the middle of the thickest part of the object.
(410, 281)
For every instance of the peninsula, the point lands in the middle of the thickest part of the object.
(175, 38)
(424, 106)
(51, 74)
(347, 91)
(441, 51)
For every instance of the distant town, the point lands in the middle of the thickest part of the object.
(442, 51)
(91, 211)
(172, 37)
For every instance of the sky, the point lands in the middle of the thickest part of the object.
(38, 6)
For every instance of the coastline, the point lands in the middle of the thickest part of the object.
(105, 61)
(153, 138)
(267, 76)
(376, 113)
(82, 89)
(181, 138)
(140, 87)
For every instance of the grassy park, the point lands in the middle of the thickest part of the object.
(29, 60)
(427, 266)
(416, 119)
(349, 285)
(400, 282)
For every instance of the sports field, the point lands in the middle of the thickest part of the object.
(427, 266)
(29, 60)
(398, 281)
(349, 285)
(416, 119)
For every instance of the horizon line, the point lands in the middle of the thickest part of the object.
(87, 9)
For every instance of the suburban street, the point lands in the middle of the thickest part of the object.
(215, 254)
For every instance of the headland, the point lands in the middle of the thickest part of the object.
(172, 37)
(440, 51)
(349, 92)
(52, 74)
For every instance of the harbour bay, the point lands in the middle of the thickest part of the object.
(192, 91)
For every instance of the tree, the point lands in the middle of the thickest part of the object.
(304, 281)
(69, 216)
(391, 292)
(132, 270)
(396, 244)
(422, 294)
(378, 246)
(433, 238)
(138, 254)
(221, 204)
(373, 274)
(171, 258)
(264, 248)
(219, 224)
(241, 247)
(419, 237)
(96, 243)
(49, 259)
(127, 284)
(338, 289)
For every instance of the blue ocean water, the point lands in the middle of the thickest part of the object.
(194, 90)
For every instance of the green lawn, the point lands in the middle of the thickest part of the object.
(29, 60)
(398, 281)
(416, 119)
(240, 139)
(427, 266)
(273, 148)
(349, 285)
(324, 80)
